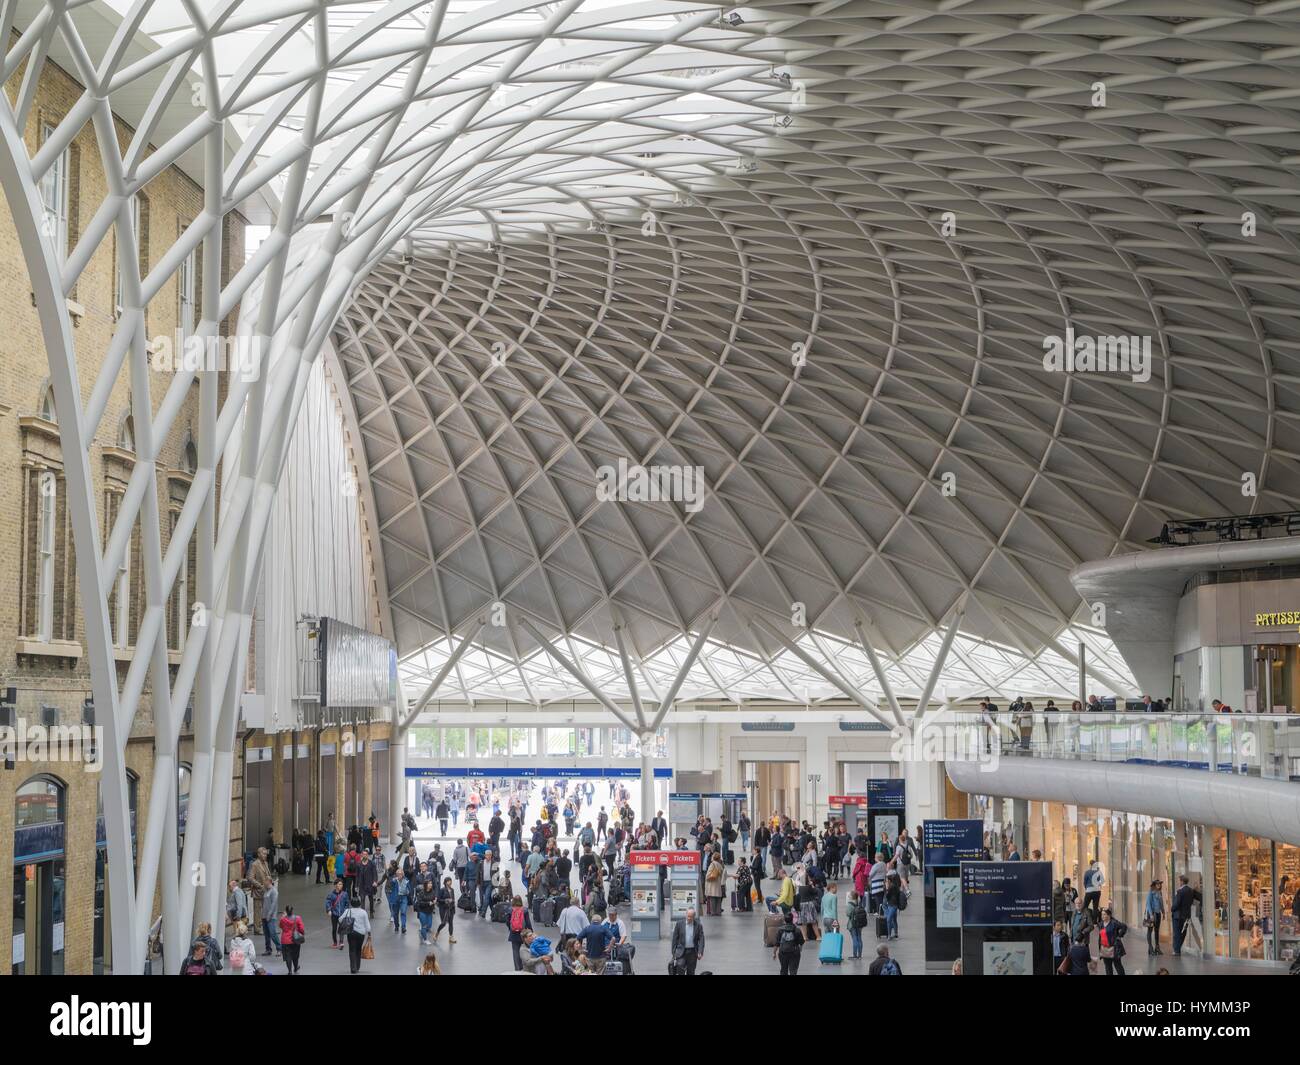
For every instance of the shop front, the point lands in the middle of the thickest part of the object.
(1249, 908)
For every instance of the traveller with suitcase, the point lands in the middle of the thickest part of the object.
(831, 951)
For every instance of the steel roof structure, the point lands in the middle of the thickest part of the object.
(813, 250)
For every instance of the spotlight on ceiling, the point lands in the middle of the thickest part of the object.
(734, 20)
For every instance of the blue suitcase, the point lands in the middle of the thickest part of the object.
(831, 952)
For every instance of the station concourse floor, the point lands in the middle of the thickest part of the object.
(733, 941)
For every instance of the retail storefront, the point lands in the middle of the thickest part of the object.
(1248, 885)
(1237, 639)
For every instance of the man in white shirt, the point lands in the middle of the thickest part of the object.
(572, 921)
(617, 921)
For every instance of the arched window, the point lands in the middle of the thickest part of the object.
(42, 800)
(47, 490)
(121, 599)
(189, 456)
(44, 538)
(47, 410)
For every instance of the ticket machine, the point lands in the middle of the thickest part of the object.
(645, 902)
(682, 888)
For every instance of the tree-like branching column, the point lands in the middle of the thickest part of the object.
(409, 126)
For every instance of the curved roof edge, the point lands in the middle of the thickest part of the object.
(1164, 570)
(1268, 808)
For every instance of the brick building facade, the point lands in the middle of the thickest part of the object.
(42, 652)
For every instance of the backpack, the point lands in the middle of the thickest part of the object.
(890, 968)
(787, 940)
(517, 919)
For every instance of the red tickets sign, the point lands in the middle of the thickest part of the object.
(664, 858)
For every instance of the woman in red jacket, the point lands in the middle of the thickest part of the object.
(292, 933)
(861, 873)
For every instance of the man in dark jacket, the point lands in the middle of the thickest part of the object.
(1180, 911)
(367, 879)
(321, 851)
(884, 965)
(687, 945)
(660, 828)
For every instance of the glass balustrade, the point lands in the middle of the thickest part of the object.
(1261, 745)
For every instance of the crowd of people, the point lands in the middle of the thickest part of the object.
(507, 870)
(814, 886)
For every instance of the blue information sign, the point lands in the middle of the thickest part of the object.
(1005, 894)
(886, 794)
(947, 842)
(551, 772)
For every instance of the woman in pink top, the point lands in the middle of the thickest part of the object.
(291, 924)
(861, 873)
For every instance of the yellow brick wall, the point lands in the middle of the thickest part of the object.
(173, 200)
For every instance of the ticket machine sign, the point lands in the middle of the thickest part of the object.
(670, 858)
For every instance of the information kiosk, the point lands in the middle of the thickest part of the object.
(945, 845)
(1006, 918)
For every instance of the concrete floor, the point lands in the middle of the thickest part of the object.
(733, 943)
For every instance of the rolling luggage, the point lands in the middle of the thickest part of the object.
(735, 901)
(831, 951)
(547, 914)
(771, 926)
(501, 912)
(882, 927)
(613, 968)
(465, 902)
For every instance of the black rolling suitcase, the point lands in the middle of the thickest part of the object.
(882, 927)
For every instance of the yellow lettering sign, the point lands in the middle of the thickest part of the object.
(1286, 617)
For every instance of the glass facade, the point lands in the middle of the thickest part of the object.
(1250, 887)
(503, 744)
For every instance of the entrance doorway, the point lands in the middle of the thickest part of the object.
(38, 878)
(777, 789)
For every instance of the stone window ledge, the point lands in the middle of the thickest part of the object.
(49, 649)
